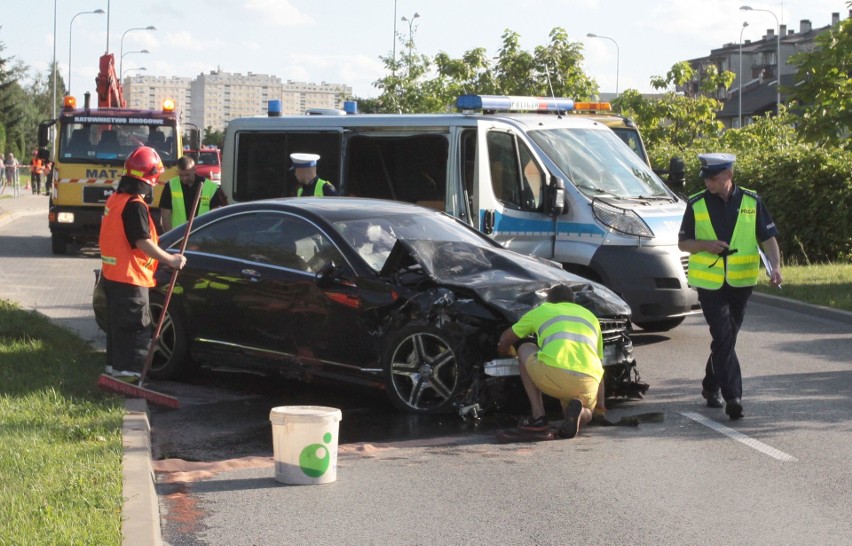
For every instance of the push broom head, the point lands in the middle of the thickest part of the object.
(111, 384)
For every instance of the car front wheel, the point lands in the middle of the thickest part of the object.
(422, 370)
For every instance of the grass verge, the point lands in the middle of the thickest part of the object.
(60, 438)
(823, 284)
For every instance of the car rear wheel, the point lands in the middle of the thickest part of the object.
(422, 370)
(171, 356)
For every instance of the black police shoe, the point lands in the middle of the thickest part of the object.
(734, 409)
(714, 398)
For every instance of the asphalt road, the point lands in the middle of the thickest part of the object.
(782, 475)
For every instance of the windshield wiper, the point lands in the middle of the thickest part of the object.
(598, 190)
(653, 197)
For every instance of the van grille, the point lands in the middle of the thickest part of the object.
(684, 261)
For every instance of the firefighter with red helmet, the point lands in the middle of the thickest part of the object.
(129, 256)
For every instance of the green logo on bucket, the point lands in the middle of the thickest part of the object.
(315, 458)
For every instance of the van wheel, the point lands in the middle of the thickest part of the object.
(58, 244)
(422, 370)
(171, 356)
(660, 325)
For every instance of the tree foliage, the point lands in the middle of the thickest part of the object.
(417, 83)
(823, 90)
(675, 118)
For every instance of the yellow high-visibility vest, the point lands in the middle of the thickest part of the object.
(208, 190)
(708, 270)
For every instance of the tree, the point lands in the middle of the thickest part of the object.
(213, 138)
(823, 90)
(419, 84)
(677, 119)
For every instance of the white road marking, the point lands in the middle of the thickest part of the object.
(739, 436)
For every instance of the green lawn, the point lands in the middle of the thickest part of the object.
(60, 438)
(825, 284)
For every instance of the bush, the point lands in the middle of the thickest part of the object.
(808, 189)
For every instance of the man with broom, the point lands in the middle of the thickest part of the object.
(129, 255)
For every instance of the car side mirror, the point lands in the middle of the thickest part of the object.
(556, 197)
(677, 173)
(327, 275)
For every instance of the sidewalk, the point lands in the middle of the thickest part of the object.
(12, 208)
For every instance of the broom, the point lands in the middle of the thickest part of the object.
(118, 386)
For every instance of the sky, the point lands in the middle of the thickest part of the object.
(341, 42)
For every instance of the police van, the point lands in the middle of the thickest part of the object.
(517, 168)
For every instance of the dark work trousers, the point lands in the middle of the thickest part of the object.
(128, 325)
(35, 183)
(724, 310)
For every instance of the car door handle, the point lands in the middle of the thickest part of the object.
(488, 222)
(251, 275)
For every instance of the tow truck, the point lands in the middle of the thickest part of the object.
(88, 147)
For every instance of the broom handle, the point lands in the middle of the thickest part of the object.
(149, 358)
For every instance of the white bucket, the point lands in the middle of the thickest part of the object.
(304, 440)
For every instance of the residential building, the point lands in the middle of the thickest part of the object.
(758, 81)
(299, 97)
(149, 92)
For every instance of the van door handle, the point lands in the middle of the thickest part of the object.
(488, 222)
(251, 275)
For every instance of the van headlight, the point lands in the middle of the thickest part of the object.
(621, 220)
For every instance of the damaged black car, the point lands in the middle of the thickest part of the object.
(378, 293)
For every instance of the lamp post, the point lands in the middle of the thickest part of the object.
(123, 55)
(54, 59)
(617, 56)
(410, 34)
(740, 78)
(121, 51)
(141, 68)
(70, 28)
(777, 55)
(393, 63)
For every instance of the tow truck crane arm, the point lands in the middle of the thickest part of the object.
(110, 92)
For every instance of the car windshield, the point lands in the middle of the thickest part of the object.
(374, 238)
(111, 143)
(599, 164)
(208, 158)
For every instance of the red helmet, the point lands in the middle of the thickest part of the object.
(144, 164)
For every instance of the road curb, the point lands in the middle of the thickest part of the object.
(801, 307)
(140, 514)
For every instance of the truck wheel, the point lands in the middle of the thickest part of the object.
(58, 244)
(660, 325)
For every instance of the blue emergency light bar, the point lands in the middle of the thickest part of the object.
(509, 103)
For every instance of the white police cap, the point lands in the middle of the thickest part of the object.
(304, 160)
(713, 164)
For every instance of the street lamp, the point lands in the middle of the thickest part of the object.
(141, 68)
(121, 51)
(70, 28)
(54, 59)
(740, 78)
(777, 55)
(410, 33)
(617, 56)
(123, 55)
(393, 64)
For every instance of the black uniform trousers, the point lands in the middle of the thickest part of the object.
(129, 325)
(724, 310)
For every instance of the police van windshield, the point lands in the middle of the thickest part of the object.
(599, 163)
(112, 143)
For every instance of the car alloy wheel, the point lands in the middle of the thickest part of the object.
(422, 370)
(171, 360)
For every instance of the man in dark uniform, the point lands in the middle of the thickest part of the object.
(721, 229)
(310, 185)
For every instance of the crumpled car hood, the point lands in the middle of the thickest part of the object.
(506, 280)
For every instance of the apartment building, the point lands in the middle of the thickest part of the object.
(298, 97)
(754, 91)
(148, 93)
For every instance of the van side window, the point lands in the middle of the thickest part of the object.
(401, 168)
(263, 162)
(515, 177)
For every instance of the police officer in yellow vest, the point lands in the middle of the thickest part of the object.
(565, 362)
(179, 195)
(721, 229)
(310, 185)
